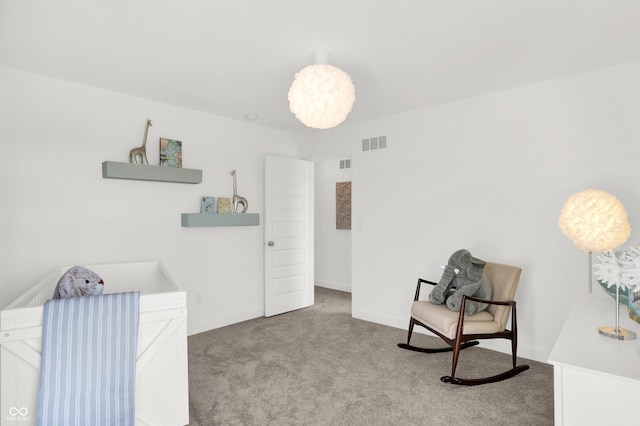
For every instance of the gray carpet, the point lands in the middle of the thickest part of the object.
(319, 366)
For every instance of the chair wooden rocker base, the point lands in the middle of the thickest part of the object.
(407, 346)
(462, 331)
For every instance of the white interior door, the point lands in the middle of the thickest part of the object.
(288, 232)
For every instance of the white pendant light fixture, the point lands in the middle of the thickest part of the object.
(321, 95)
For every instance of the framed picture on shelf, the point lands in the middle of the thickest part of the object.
(224, 205)
(208, 205)
(170, 153)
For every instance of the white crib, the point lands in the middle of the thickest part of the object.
(162, 389)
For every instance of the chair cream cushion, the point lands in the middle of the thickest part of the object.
(504, 280)
(445, 321)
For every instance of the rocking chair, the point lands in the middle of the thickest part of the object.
(461, 331)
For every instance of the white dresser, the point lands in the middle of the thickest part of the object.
(596, 378)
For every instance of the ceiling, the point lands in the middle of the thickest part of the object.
(236, 58)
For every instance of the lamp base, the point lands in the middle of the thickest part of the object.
(620, 334)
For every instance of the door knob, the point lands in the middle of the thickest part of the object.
(271, 243)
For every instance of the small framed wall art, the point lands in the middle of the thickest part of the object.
(343, 205)
(208, 205)
(224, 205)
(170, 153)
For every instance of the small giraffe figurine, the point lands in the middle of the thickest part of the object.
(238, 199)
(142, 150)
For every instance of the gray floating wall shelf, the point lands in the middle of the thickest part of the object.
(116, 170)
(190, 220)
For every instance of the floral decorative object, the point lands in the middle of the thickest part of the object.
(620, 268)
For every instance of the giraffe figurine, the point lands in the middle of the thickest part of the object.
(140, 151)
(238, 199)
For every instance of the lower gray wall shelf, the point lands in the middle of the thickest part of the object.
(116, 170)
(190, 220)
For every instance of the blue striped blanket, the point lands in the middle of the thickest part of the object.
(87, 373)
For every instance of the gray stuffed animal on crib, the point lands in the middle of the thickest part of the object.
(463, 275)
(78, 281)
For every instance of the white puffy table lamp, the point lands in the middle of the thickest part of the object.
(597, 221)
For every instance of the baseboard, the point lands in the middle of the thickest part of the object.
(334, 286)
(214, 323)
(524, 351)
(380, 319)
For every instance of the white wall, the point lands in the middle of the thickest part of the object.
(489, 174)
(332, 246)
(58, 210)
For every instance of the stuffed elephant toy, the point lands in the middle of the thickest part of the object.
(463, 275)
